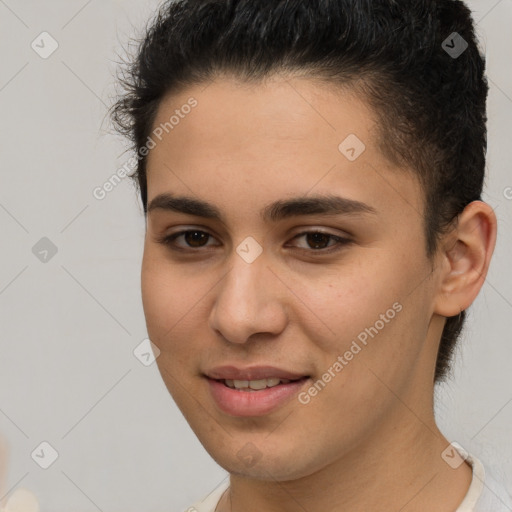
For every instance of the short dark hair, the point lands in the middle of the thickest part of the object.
(430, 103)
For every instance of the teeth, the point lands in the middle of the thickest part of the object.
(255, 384)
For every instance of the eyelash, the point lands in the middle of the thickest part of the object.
(341, 242)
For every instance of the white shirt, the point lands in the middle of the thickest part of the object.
(485, 494)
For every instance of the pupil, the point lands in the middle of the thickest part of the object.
(189, 237)
(315, 236)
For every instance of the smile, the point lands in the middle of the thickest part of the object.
(245, 398)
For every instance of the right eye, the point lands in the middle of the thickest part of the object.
(193, 237)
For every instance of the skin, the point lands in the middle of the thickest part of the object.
(369, 439)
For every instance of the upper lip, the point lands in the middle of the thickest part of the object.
(251, 373)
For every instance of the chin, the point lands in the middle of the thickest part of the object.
(269, 462)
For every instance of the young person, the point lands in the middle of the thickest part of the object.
(311, 175)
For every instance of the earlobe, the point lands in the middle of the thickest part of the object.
(466, 258)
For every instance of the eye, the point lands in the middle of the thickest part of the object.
(318, 239)
(195, 239)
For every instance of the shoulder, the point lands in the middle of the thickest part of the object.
(495, 495)
(210, 501)
(487, 492)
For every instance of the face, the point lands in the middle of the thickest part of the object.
(339, 300)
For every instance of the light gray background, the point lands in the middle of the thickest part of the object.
(69, 326)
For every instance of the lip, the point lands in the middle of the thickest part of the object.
(253, 403)
(251, 373)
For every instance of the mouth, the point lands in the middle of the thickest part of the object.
(244, 398)
(257, 385)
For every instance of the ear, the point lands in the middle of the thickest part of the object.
(465, 258)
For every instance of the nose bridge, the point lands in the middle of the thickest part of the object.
(247, 301)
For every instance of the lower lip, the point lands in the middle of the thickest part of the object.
(253, 403)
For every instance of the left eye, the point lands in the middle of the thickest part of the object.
(194, 239)
(319, 238)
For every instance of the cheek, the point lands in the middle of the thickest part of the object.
(351, 298)
(154, 291)
(163, 297)
(373, 311)
(382, 322)
(168, 303)
(173, 302)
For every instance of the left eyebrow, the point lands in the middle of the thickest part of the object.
(274, 212)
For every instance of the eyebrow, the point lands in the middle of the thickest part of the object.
(274, 212)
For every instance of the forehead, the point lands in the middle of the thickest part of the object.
(284, 136)
(279, 112)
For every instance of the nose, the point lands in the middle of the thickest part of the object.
(249, 300)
